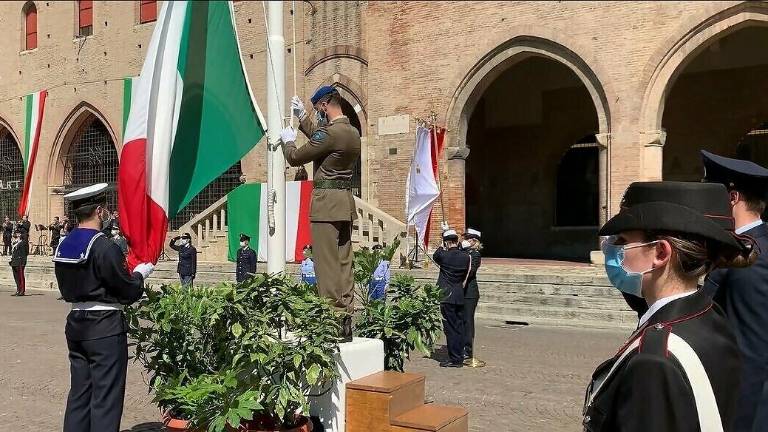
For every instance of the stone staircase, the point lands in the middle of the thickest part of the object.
(510, 293)
(209, 229)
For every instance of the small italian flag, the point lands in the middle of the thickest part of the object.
(247, 214)
(35, 107)
(192, 116)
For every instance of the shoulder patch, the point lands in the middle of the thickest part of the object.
(319, 135)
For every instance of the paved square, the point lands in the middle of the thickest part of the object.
(534, 380)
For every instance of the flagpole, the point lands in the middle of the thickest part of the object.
(275, 101)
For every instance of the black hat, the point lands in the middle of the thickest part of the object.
(244, 237)
(676, 207)
(742, 175)
(377, 247)
(472, 233)
(186, 236)
(89, 195)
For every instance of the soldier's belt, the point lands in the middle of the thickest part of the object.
(333, 184)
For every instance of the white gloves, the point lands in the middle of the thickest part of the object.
(297, 108)
(288, 135)
(444, 226)
(145, 269)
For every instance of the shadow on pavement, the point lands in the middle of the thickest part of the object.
(146, 427)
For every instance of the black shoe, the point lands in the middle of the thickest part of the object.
(14, 294)
(449, 364)
(346, 330)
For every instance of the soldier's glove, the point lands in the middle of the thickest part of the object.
(297, 108)
(145, 269)
(288, 135)
(444, 226)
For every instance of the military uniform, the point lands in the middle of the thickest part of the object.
(455, 266)
(55, 229)
(187, 266)
(246, 261)
(743, 294)
(334, 149)
(471, 295)
(91, 273)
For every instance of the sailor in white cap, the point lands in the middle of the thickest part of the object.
(92, 276)
(471, 245)
(454, 265)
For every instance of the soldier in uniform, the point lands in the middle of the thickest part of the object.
(679, 371)
(187, 266)
(471, 244)
(55, 229)
(246, 260)
(7, 235)
(743, 292)
(455, 266)
(92, 276)
(19, 254)
(334, 147)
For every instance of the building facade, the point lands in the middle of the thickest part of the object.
(552, 108)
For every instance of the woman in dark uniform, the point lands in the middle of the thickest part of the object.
(679, 370)
(471, 244)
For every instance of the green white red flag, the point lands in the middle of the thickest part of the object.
(35, 107)
(192, 116)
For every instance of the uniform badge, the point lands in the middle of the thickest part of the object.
(319, 136)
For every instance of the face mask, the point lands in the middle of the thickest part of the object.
(184, 242)
(624, 280)
(466, 244)
(321, 117)
(243, 244)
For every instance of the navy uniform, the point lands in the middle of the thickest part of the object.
(471, 294)
(91, 273)
(333, 149)
(455, 266)
(246, 260)
(187, 266)
(743, 292)
(679, 371)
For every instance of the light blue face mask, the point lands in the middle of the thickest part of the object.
(624, 280)
(321, 117)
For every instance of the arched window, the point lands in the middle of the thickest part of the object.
(147, 11)
(85, 17)
(30, 26)
(11, 175)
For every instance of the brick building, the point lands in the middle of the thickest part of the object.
(552, 108)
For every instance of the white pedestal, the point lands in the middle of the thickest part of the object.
(356, 359)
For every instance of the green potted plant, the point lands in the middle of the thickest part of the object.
(235, 357)
(407, 319)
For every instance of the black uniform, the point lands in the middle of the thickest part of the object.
(24, 227)
(454, 268)
(55, 229)
(743, 294)
(7, 234)
(471, 297)
(91, 268)
(187, 266)
(18, 262)
(684, 356)
(246, 263)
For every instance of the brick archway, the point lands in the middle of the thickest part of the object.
(667, 64)
(477, 81)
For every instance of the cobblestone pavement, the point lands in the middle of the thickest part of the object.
(534, 380)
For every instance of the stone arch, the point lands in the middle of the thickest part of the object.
(665, 66)
(66, 135)
(484, 72)
(11, 170)
(5, 126)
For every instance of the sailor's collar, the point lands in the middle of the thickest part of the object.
(76, 246)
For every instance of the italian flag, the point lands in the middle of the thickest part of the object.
(35, 106)
(247, 214)
(192, 116)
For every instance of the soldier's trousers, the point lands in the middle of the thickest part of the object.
(97, 369)
(332, 253)
(470, 304)
(453, 326)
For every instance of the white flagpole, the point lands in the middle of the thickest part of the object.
(275, 101)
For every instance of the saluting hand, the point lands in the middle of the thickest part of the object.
(297, 108)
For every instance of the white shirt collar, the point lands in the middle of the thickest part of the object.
(744, 228)
(660, 303)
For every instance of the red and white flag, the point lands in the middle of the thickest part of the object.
(422, 188)
(35, 107)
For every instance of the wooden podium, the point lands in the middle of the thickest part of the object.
(394, 402)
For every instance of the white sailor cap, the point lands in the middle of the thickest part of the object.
(450, 235)
(472, 234)
(89, 195)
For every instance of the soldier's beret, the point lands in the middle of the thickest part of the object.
(321, 93)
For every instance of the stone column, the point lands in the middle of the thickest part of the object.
(603, 176)
(653, 154)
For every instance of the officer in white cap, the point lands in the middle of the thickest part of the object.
(92, 276)
(455, 265)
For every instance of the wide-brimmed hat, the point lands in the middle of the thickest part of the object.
(700, 209)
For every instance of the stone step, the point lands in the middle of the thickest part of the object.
(499, 288)
(565, 301)
(557, 315)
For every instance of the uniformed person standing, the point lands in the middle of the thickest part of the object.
(92, 276)
(246, 260)
(471, 244)
(333, 148)
(455, 266)
(743, 293)
(679, 371)
(187, 266)
(55, 229)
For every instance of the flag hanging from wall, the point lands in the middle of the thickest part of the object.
(247, 214)
(35, 107)
(192, 116)
(421, 187)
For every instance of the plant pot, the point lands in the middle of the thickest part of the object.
(175, 425)
(304, 424)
